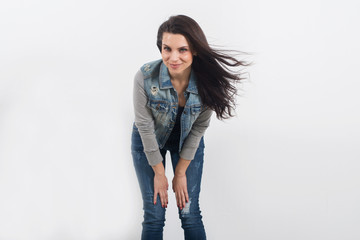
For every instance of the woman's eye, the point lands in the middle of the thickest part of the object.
(183, 50)
(166, 48)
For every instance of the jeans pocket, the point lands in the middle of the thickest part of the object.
(136, 143)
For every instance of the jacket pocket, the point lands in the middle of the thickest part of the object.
(159, 108)
(192, 114)
(195, 109)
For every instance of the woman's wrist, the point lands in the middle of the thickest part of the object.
(159, 169)
(180, 173)
(181, 167)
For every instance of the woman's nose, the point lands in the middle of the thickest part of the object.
(174, 56)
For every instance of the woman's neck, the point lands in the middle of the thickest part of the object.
(181, 78)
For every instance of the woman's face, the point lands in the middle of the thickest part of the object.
(176, 54)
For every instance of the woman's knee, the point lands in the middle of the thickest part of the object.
(153, 213)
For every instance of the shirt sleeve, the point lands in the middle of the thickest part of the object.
(144, 121)
(197, 131)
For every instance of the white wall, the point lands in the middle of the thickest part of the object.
(285, 168)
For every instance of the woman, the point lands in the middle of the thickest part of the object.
(174, 98)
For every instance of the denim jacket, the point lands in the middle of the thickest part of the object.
(157, 116)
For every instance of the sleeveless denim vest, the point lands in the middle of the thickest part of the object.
(163, 102)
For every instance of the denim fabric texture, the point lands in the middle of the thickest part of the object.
(163, 102)
(154, 215)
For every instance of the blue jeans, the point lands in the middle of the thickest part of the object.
(154, 215)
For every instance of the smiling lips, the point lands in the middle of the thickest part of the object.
(175, 66)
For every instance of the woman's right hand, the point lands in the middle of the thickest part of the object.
(160, 184)
(160, 187)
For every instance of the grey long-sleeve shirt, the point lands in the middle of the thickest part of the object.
(144, 121)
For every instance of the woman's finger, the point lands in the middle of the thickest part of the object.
(162, 198)
(165, 199)
(177, 198)
(155, 196)
(182, 199)
(186, 196)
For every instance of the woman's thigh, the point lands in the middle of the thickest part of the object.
(144, 173)
(193, 172)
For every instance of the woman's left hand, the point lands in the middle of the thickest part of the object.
(179, 186)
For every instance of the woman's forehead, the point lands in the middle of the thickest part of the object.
(174, 39)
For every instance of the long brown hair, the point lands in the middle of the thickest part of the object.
(215, 80)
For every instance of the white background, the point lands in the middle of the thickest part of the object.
(287, 167)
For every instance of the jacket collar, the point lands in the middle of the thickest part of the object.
(165, 82)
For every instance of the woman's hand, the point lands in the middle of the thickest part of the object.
(160, 184)
(179, 185)
(160, 187)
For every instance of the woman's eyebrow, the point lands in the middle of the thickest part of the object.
(178, 48)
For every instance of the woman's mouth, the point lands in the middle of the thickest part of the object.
(174, 66)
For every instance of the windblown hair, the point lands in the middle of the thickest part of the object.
(215, 81)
